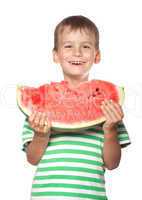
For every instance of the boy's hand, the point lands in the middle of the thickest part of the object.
(113, 114)
(40, 123)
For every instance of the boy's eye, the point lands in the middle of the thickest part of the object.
(86, 47)
(67, 46)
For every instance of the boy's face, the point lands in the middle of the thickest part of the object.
(76, 52)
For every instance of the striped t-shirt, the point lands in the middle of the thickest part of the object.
(72, 167)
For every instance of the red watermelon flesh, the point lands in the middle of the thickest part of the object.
(69, 108)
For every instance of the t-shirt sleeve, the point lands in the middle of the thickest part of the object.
(27, 134)
(123, 136)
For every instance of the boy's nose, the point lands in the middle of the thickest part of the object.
(77, 52)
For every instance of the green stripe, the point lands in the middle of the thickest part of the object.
(70, 194)
(124, 138)
(27, 138)
(100, 131)
(67, 142)
(28, 127)
(27, 132)
(76, 169)
(78, 160)
(121, 125)
(123, 135)
(66, 177)
(73, 151)
(65, 185)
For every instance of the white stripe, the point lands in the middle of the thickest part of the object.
(71, 155)
(75, 147)
(71, 173)
(65, 181)
(80, 139)
(124, 142)
(96, 134)
(27, 140)
(27, 136)
(61, 181)
(62, 189)
(89, 166)
(121, 129)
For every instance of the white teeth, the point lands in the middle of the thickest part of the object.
(76, 62)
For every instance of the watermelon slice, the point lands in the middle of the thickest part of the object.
(69, 108)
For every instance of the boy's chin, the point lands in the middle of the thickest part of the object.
(76, 75)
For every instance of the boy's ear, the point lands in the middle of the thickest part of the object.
(97, 57)
(55, 56)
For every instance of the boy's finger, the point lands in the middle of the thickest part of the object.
(42, 120)
(49, 123)
(37, 119)
(119, 109)
(46, 129)
(46, 123)
(109, 111)
(114, 110)
(48, 119)
(32, 116)
(106, 114)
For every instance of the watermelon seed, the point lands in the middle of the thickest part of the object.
(99, 93)
(97, 89)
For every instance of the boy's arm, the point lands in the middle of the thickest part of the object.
(42, 130)
(111, 149)
(36, 148)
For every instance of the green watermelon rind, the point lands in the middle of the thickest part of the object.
(58, 126)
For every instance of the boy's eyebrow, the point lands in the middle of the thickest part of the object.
(88, 42)
(66, 42)
(91, 43)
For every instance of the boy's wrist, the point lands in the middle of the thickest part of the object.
(41, 135)
(110, 133)
(109, 128)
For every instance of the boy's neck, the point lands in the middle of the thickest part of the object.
(74, 82)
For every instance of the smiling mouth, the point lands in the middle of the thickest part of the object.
(76, 62)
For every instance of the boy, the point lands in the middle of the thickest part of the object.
(71, 166)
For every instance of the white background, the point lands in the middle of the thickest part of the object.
(26, 42)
